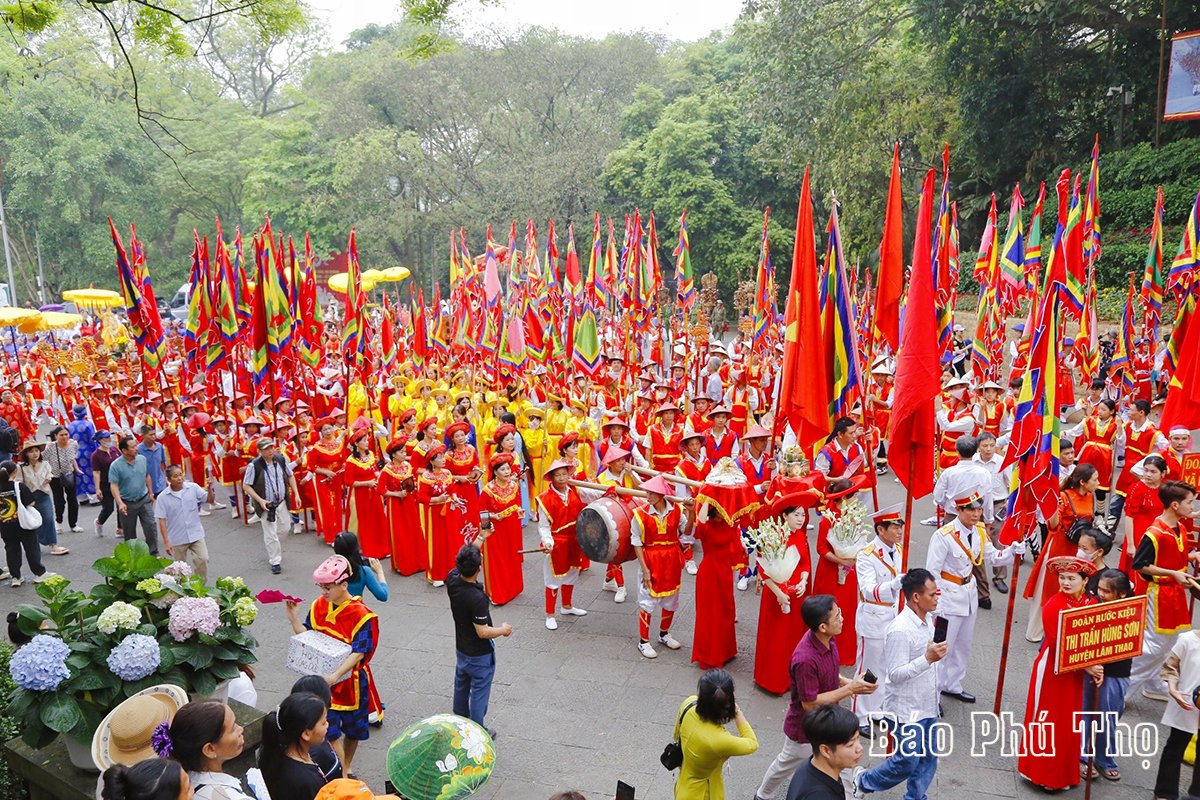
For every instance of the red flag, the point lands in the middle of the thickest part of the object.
(804, 388)
(1183, 394)
(918, 373)
(891, 262)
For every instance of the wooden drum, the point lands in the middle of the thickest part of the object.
(603, 530)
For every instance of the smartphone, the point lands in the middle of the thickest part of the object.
(869, 677)
(624, 791)
(940, 626)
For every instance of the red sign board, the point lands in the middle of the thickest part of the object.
(1101, 633)
(1189, 473)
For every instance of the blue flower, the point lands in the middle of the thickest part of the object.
(41, 665)
(136, 657)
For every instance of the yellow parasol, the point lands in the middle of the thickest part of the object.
(93, 298)
(49, 321)
(12, 315)
(337, 282)
(395, 274)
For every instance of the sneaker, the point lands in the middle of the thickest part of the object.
(204, 512)
(253, 518)
(930, 521)
(99, 531)
(276, 569)
(574, 612)
(855, 787)
(743, 583)
(45, 576)
(374, 718)
(670, 641)
(551, 624)
(4, 574)
(216, 506)
(691, 567)
(620, 598)
(646, 650)
(881, 470)
(438, 584)
(296, 529)
(492, 733)
(233, 513)
(609, 585)
(76, 529)
(16, 582)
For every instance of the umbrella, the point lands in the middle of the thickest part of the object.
(395, 274)
(444, 757)
(52, 307)
(49, 321)
(12, 315)
(93, 298)
(337, 282)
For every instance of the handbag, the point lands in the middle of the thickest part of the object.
(29, 517)
(672, 754)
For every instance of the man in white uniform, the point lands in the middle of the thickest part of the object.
(878, 567)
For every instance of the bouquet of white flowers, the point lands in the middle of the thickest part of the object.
(776, 558)
(849, 531)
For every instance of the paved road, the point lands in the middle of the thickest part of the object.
(579, 707)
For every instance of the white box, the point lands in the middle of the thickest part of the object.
(315, 653)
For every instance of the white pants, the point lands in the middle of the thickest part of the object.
(1155, 649)
(779, 774)
(953, 668)
(557, 583)
(651, 604)
(869, 657)
(271, 530)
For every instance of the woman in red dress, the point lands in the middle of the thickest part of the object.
(463, 462)
(1095, 439)
(1076, 501)
(297, 449)
(835, 575)
(327, 460)
(427, 438)
(502, 576)
(440, 515)
(1056, 699)
(398, 484)
(366, 515)
(1142, 507)
(779, 623)
(724, 504)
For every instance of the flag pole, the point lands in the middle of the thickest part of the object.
(1008, 619)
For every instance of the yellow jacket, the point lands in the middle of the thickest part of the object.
(706, 748)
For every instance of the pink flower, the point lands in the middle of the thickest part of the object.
(191, 614)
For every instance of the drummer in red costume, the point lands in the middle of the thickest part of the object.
(954, 419)
(560, 505)
(694, 466)
(338, 614)
(616, 472)
(655, 533)
(1163, 558)
(663, 439)
(719, 441)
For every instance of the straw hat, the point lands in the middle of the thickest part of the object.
(124, 735)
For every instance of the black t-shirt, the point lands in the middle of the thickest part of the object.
(295, 780)
(327, 759)
(8, 506)
(470, 606)
(809, 783)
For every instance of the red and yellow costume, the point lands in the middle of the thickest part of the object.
(357, 691)
(331, 511)
(502, 576)
(1095, 446)
(366, 515)
(404, 524)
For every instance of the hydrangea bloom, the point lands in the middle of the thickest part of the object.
(150, 585)
(179, 569)
(41, 665)
(244, 611)
(173, 593)
(229, 584)
(56, 582)
(136, 657)
(191, 614)
(119, 615)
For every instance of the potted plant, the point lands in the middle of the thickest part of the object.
(150, 622)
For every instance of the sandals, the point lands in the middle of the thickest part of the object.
(1111, 774)
(1084, 773)
(58, 550)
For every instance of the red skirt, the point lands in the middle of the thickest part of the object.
(778, 635)
(502, 575)
(846, 594)
(368, 520)
(408, 544)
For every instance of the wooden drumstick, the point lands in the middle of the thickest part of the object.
(600, 487)
(673, 478)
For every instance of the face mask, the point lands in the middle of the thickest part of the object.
(1085, 555)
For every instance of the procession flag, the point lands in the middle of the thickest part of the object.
(1152, 276)
(838, 319)
(890, 287)
(1121, 369)
(353, 322)
(764, 319)
(1183, 391)
(685, 287)
(912, 431)
(804, 384)
(1033, 244)
(137, 306)
(1012, 258)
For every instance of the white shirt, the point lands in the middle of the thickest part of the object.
(878, 567)
(910, 690)
(635, 527)
(1187, 650)
(1001, 478)
(586, 495)
(945, 555)
(961, 480)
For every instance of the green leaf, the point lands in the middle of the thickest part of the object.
(79, 661)
(61, 713)
(94, 679)
(38, 736)
(198, 657)
(203, 684)
(224, 671)
(108, 567)
(167, 659)
(147, 630)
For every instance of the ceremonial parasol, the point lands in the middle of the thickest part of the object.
(13, 315)
(395, 274)
(93, 298)
(444, 757)
(337, 282)
(49, 321)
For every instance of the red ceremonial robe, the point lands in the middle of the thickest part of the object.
(330, 508)
(502, 576)
(438, 521)
(404, 524)
(826, 581)
(779, 633)
(366, 514)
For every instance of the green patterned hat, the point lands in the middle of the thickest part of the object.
(444, 757)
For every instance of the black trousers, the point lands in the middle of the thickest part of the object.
(1167, 783)
(17, 540)
(63, 489)
(108, 506)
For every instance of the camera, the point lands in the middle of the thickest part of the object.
(271, 511)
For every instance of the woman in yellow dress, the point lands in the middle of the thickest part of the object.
(536, 443)
(556, 422)
(579, 422)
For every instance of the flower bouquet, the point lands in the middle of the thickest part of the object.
(776, 558)
(150, 622)
(849, 530)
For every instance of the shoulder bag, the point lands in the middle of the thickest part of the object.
(29, 517)
(672, 754)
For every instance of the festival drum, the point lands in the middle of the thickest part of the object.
(603, 530)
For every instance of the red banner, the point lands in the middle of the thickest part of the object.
(1101, 633)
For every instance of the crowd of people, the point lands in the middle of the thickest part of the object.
(439, 474)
